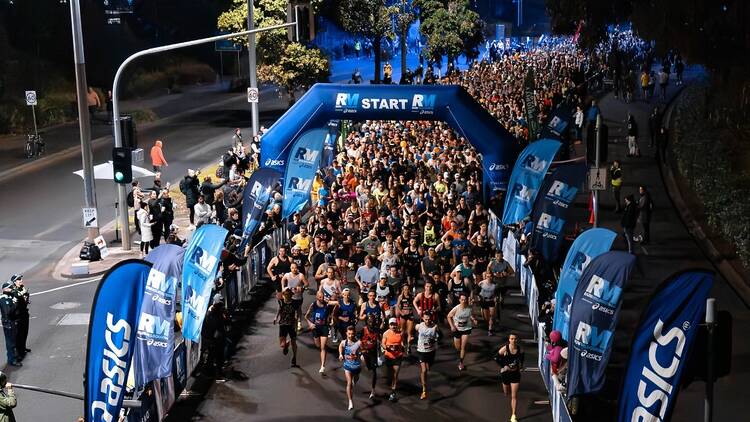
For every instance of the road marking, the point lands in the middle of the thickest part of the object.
(65, 305)
(52, 229)
(74, 319)
(65, 287)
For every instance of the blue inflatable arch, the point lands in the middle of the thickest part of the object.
(449, 103)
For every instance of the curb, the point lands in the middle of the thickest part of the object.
(733, 277)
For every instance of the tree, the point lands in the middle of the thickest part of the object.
(404, 18)
(370, 19)
(298, 68)
(451, 29)
(291, 66)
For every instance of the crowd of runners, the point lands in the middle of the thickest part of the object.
(396, 245)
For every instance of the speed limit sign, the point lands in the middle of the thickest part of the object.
(252, 95)
(30, 98)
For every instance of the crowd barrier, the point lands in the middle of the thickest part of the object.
(527, 282)
(161, 394)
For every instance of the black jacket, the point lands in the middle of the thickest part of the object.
(629, 216)
(189, 187)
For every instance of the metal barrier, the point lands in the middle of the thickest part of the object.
(531, 294)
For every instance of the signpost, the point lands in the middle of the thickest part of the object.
(252, 95)
(597, 179)
(222, 46)
(31, 100)
(90, 218)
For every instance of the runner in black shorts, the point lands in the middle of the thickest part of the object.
(286, 317)
(510, 358)
(427, 340)
(370, 342)
(317, 317)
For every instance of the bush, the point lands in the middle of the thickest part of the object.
(143, 116)
(703, 158)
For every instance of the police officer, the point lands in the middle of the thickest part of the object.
(22, 294)
(7, 399)
(9, 308)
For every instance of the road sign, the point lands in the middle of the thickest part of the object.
(226, 45)
(102, 245)
(30, 98)
(598, 179)
(252, 95)
(89, 218)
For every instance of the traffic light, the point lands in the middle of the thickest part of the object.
(304, 31)
(122, 165)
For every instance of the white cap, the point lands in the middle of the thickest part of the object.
(392, 321)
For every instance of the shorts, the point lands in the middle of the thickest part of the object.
(321, 331)
(510, 377)
(371, 359)
(288, 330)
(412, 272)
(427, 357)
(393, 362)
(297, 303)
(487, 303)
(277, 284)
(457, 334)
(407, 317)
(354, 371)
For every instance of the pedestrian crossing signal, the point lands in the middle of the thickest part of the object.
(122, 165)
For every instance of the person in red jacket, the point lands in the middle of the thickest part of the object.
(157, 156)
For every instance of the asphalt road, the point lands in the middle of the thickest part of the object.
(276, 392)
(42, 221)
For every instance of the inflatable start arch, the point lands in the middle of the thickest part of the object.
(448, 103)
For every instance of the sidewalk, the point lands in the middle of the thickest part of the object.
(672, 248)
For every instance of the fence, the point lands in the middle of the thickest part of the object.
(164, 392)
(530, 292)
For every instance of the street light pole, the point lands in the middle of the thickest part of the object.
(252, 71)
(122, 198)
(84, 124)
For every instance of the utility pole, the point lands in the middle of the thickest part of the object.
(252, 68)
(596, 164)
(84, 124)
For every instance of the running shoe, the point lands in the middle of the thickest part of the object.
(392, 397)
(423, 396)
(489, 333)
(294, 362)
(322, 370)
(351, 405)
(513, 418)
(461, 366)
(299, 326)
(372, 395)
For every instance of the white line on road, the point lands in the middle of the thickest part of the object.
(66, 287)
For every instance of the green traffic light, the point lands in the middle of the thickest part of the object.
(119, 176)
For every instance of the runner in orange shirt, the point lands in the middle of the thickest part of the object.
(394, 353)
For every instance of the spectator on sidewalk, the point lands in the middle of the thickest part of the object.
(154, 209)
(110, 108)
(7, 399)
(654, 122)
(203, 211)
(189, 188)
(615, 175)
(663, 81)
(593, 112)
(662, 139)
(9, 310)
(578, 125)
(645, 208)
(628, 220)
(157, 156)
(144, 220)
(632, 127)
(167, 212)
(645, 79)
(94, 103)
(208, 189)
